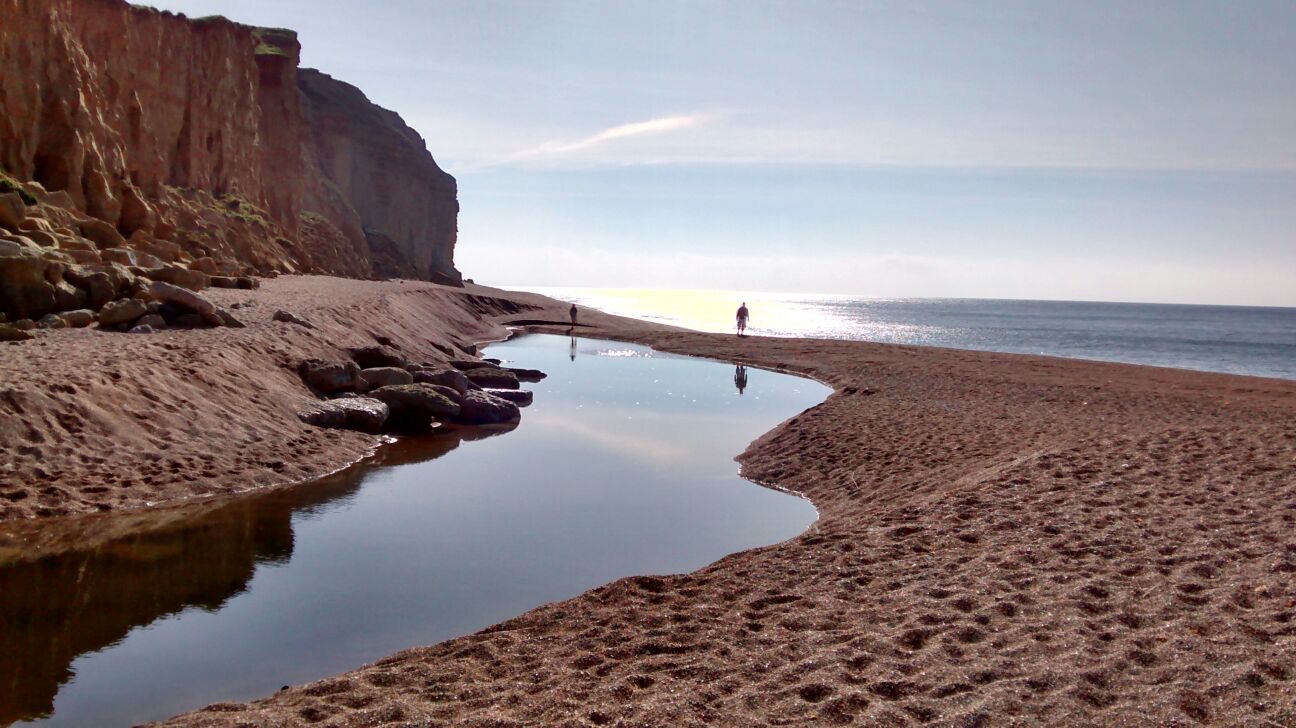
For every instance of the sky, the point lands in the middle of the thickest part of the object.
(1126, 151)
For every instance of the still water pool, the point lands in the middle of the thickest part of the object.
(623, 466)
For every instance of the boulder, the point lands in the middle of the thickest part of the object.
(84, 257)
(12, 210)
(76, 242)
(481, 408)
(449, 393)
(222, 281)
(492, 378)
(51, 321)
(177, 276)
(330, 377)
(207, 265)
(41, 238)
(141, 329)
(101, 233)
(376, 377)
(289, 318)
(22, 241)
(464, 365)
(8, 332)
(519, 397)
(129, 258)
(36, 224)
(152, 320)
(120, 281)
(452, 378)
(190, 301)
(68, 297)
(79, 319)
(417, 403)
(98, 287)
(163, 249)
(25, 289)
(354, 413)
(527, 375)
(229, 320)
(123, 311)
(377, 356)
(136, 215)
(25, 324)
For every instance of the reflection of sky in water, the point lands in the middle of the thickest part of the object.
(1235, 339)
(624, 465)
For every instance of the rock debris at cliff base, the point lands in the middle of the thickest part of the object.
(229, 152)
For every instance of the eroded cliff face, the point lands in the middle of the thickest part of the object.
(196, 135)
(385, 171)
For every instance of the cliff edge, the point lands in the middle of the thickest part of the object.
(202, 139)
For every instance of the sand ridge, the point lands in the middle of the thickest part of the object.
(1004, 540)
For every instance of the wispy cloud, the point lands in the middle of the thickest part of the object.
(661, 125)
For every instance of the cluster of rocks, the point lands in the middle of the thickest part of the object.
(58, 270)
(379, 390)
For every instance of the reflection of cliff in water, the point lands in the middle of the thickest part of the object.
(59, 604)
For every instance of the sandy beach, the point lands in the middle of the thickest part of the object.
(1003, 540)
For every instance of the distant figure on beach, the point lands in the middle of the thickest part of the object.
(740, 378)
(573, 314)
(742, 318)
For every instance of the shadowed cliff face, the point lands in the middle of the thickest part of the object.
(384, 169)
(195, 132)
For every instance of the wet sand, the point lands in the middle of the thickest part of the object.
(1004, 540)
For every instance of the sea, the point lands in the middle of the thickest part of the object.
(1252, 340)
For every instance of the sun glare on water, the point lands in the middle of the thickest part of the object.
(772, 314)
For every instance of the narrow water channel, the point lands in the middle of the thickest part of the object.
(623, 466)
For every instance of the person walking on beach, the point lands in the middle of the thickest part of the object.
(573, 314)
(742, 318)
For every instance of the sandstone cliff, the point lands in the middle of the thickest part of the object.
(195, 139)
(383, 168)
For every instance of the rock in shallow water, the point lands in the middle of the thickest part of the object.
(527, 375)
(481, 408)
(492, 378)
(417, 403)
(519, 397)
(352, 413)
(452, 378)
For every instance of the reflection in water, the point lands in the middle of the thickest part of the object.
(572, 351)
(740, 378)
(57, 606)
(118, 620)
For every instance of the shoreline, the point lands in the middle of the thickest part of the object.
(896, 606)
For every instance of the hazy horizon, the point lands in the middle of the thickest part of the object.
(739, 295)
(1008, 150)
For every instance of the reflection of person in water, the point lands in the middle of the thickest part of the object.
(573, 345)
(740, 378)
